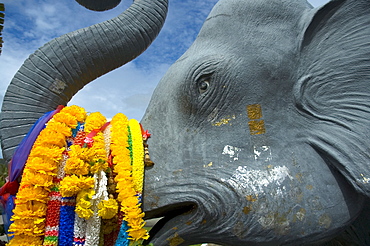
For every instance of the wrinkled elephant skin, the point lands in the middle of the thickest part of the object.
(240, 159)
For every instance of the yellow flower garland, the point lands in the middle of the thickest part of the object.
(77, 163)
(137, 155)
(94, 121)
(120, 153)
(29, 214)
(129, 181)
(122, 139)
(108, 208)
(99, 156)
(134, 215)
(72, 185)
(84, 161)
(83, 208)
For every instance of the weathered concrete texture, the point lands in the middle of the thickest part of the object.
(260, 130)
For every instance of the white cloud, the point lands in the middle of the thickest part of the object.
(317, 3)
(127, 90)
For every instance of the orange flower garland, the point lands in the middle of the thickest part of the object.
(29, 214)
(134, 215)
(100, 151)
(128, 176)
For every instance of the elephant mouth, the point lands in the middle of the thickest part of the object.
(188, 207)
(166, 215)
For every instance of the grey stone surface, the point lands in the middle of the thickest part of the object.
(260, 131)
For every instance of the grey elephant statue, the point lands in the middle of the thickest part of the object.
(260, 131)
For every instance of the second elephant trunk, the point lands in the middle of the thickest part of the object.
(101, 5)
(60, 68)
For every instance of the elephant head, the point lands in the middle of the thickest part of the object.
(259, 131)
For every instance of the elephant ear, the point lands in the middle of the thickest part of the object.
(333, 87)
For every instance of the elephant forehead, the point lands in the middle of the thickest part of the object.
(261, 8)
(252, 26)
(264, 10)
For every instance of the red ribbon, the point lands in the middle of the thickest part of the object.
(89, 138)
(10, 188)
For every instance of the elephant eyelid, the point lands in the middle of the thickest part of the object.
(204, 83)
(202, 74)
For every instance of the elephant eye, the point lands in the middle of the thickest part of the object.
(203, 85)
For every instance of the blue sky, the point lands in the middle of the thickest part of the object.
(31, 23)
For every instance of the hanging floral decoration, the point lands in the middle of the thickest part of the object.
(126, 139)
(82, 178)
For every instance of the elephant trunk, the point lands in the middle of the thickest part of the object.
(60, 68)
(99, 5)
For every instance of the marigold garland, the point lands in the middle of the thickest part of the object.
(108, 208)
(54, 206)
(29, 214)
(137, 155)
(69, 177)
(72, 185)
(128, 185)
(83, 209)
(134, 215)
